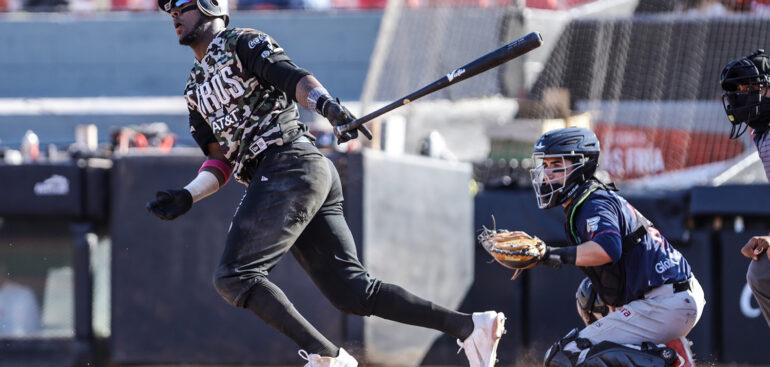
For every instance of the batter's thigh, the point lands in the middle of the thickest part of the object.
(327, 252)
(758, 276)
(286, 192)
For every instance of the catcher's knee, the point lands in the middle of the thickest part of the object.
(564, 352)
(572, 351)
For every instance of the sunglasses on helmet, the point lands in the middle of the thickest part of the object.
(178, 3)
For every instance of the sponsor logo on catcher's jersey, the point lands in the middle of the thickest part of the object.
(625, 312)
(666, 264)
(592, 224)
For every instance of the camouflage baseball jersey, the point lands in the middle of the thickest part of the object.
(240, 111)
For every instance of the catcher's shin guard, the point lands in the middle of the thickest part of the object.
(609, 354)
(582, 353)
(562, 354)
(684, 355)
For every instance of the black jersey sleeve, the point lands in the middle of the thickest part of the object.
(201, 131)
(263, 57)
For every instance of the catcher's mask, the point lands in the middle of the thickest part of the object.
(590, 306)
(745, 85)
(211, 8)
(572, 155)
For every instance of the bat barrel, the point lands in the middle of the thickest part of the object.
(497, 57)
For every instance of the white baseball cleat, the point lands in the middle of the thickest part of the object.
(481, 346)
(682, 348)
(342, 360)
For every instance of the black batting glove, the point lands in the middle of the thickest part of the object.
(337, 114)
(170, 204)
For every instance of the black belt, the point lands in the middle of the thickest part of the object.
(682, 286)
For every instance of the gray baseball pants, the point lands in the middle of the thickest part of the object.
(758, 277)
(659, 317)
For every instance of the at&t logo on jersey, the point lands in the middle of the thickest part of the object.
(218, 91)
(231, 119)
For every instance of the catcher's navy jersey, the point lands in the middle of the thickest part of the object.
(606, 218)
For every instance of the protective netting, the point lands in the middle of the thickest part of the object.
(419, 44)
(646, 82)
(651, 86)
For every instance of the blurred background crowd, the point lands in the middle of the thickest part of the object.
(713, 7)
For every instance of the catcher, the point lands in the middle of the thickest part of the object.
(648, 286)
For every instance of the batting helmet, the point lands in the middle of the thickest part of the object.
(212, 8)
(579, 150)
(745, 83)
(590, 306)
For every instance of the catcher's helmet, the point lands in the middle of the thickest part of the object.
(590, 306)
(578, 148)
(745, 83)
(212, 8)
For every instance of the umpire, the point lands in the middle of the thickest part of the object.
(241, 97)
(745, 83)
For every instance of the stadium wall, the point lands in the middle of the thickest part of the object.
(137, 54)
(165, 310)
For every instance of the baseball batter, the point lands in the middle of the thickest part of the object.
(649, 286)
(242, 94)
(745, 83)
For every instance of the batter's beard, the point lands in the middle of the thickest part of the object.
(193, 36)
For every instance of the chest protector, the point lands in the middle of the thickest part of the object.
(609, 280)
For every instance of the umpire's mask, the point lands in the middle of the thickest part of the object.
(745, 96)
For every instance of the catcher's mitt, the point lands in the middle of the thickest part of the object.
(515, 250)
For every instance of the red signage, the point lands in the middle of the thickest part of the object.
(636, 151)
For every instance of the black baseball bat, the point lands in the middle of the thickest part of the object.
(497, 57)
